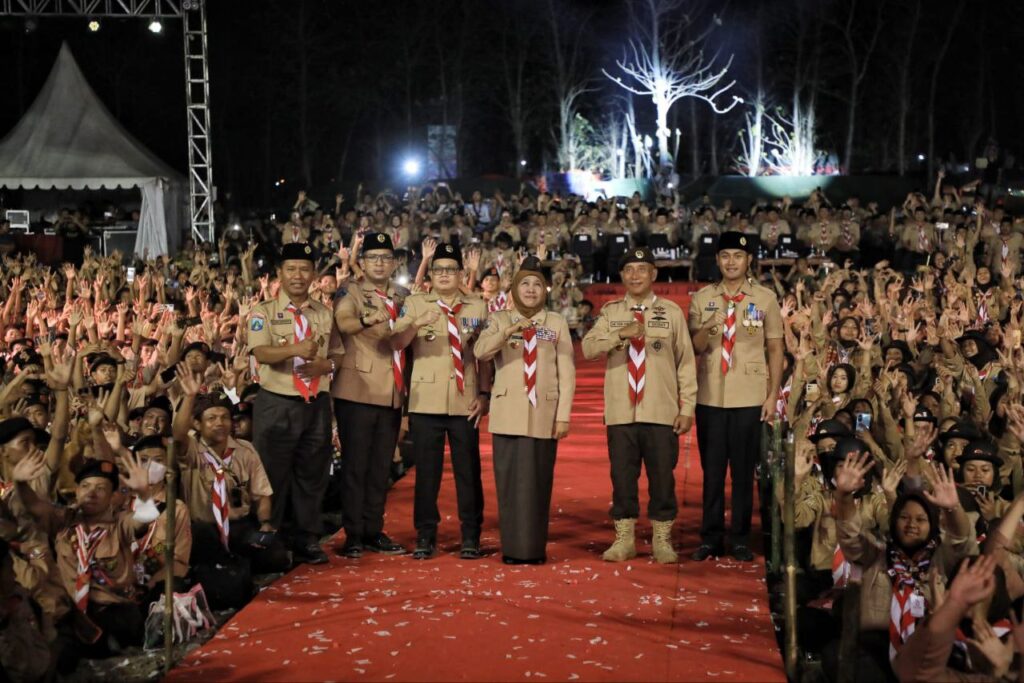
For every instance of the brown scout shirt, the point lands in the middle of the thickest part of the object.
(271, 324)
(433, 389)
(245, 473)
(113, 560)
(670, 384)
(746, 384)
(511, 413)
(366, 374)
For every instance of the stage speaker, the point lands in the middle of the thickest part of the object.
(119, 240)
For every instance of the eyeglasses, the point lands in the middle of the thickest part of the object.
(379, 258)
(444, 270)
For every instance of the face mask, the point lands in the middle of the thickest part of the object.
(157, 470)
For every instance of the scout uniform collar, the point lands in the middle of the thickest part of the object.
(744, 288)
(459, 297)
(647, 301)
(371, 288)
(284, 301)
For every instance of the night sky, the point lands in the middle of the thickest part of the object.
(329, 93)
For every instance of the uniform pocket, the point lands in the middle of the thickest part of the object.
(551, 396)
(754, 368)
(422, 376)
(364, 364)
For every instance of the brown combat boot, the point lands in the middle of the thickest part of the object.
(661, 540)
(624, 547)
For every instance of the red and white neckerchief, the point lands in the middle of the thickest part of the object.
(397, 357)
(530, 364)
(729, 331)
(499, 263)
(1005, 251)
(295, 233)
(1000, 628)
(308, 388)
(499, 302)
(847, 234)
(922, 239)
(638, 359)
(773, 232)
(983, 314)
(782, 402)
(5, 488)
(455, 342)
(840, 568)
(219, 500)
(907, 604)
(823, 239)
(88, 543)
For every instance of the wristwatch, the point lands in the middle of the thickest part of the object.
(362, 320)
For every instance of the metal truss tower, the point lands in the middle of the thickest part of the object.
(197, 79)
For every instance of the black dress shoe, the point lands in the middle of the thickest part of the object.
(742, 553)
(705, 551)
(352, 549)
(470, 549)
(383, 545)
(516, 560)
(311, 553)
(425, 549)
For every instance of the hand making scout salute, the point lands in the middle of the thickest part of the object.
(369, 390)
(447, 397)
(650, 392)
(534, 383)
(291, 337)
(733, 323)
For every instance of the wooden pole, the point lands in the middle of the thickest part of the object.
(171, 480)
(789, 554)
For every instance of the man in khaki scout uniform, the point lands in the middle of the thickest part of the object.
(650, 391)
(736, 328)
(369, 390)
(447, 397)
(291, 338)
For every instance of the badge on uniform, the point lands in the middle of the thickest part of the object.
(711, 306)
(430, 336)
(256, 324)
(917, 605)
(546, 334)
(753, 319)
(280, 316)
(657, 346)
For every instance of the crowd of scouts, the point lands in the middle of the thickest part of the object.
(898, 388)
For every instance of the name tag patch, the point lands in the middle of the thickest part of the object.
(619, 323)
(661, 324)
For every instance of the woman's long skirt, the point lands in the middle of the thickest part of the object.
(524, 470)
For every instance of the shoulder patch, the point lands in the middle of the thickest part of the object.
(256, 323)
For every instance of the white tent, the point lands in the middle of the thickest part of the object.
(69, 140)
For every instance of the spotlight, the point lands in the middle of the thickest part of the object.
(155, 26)
(522, 162)
(411, 167)
(94, 26)
(920, 157)
(402, 280)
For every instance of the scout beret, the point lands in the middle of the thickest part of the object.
(201, 347)
(151, 441)
(159, 403)
(829, 429)
(98, 468)
(980, 449)
(205, 402)
(378, 240)
(27, 357)
(242, 409)
(636, 255)
(490, 272)
(11, 427)
(503, 237)
(922, 414)
(297, 251)
(448, 251)
(733, 240)
(961, 430)
(100, 359)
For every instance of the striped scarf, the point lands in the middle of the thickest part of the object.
(907, 574)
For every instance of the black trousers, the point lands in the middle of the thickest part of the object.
(207, 548)
(293, 439)
(728, 437)
(656, 448)
(368, 435)
(428, 434)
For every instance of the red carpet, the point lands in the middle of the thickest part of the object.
(576, 618)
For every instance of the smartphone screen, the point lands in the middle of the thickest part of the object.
(863, 422)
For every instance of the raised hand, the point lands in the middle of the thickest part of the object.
(892, 477)
(134, 473)
(943, 494)
(31, 467)
(851, 472)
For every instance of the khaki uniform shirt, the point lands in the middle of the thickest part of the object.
(271, 324)
(911, 237)
(670, 382)
(433, 389)
(813, 508)
(669, 229)
(151, 547)
(113, 559)
(512, 414)
(772, 231)
(503, 259)
(1013, 243)
(244, 474)
(849, 237)
(366, 374)
(823, 235)
(746, 383)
